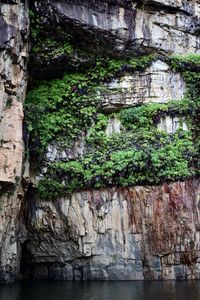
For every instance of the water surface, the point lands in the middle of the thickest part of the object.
(131, 290)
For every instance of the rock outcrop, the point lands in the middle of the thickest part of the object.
(171, 125)
(157, 84)
(14, 25)
(117, 234)
(131, 26)
(113, 233)
(117, 28)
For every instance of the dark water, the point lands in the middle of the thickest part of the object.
(169, 290)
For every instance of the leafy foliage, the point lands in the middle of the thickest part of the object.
(61, 108)
(59, 111)
(64, 107)
(48, 45)
(147, 115)
(50, 189)
(189, 67)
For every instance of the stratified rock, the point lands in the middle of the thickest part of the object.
(13, 78)
(157, 84)
(116, 28)
(131, 26)
(133, 233)
(116, 233)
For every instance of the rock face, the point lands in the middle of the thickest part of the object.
(13, 77)
(118, 234)
(156, 84)
(130, 233)
(114, 126)
(117, 28)
(131, 26)
(171, 125)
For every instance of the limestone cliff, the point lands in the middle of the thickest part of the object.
(14, 25)
(116, 28)
(112, 136)
(117, 234)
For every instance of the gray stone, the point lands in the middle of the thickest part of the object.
(126, 26)
(133, 241)
(13, 82)
(157, 84)
(171, 125)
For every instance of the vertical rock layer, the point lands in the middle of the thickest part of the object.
(13, 78)
(116, 234)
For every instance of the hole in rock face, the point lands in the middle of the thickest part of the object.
(28, 212)
(25, 266)
(32, 268)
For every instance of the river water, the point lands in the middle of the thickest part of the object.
(169, 290)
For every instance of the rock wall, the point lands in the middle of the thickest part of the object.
(13, 79)
(156, 84)
(113, 233)
(131, 233)
(135, 26)
(117, 28)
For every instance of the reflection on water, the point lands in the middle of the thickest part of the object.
(131, 290)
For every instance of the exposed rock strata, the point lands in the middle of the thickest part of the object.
(13, 78)
(154, 26)
(129, 233)
(118, 233)
(157, 84)
(116, 28)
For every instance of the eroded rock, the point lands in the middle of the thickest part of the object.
(171, 125)
(117, 233)
(130, 26)
(13, 77)
(157, 84)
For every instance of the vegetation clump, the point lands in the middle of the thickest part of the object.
(59, 112)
